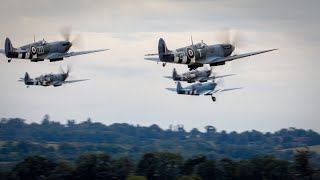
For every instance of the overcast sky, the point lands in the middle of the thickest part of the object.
(281, 89)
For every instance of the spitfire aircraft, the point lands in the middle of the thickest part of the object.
(49, 79)
(194, 76)
(38, 51)
(196, 55)
(208, 88)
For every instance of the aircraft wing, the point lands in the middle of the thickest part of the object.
(205, 92)
(73, 81)
(65, 55)
(217, 77)
(231, 58)
(223, 90)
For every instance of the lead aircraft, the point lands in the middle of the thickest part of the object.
(197, 55)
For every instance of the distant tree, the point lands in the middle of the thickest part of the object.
(245, 170)
(195, 133)
(189, 165)
(122, 167)
(302, 164)
(169, 165)
(210, 129)
(189, 178)
(131, 177)
(45, 120)
(4, 175)
(268, 167)
(148, 166)
(63, 170)
(33, 167)
(71, 123)
(228, 169)
(94, 166)
(207, 170)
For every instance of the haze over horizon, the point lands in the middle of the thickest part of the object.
(280, 88)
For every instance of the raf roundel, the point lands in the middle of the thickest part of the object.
(33, 50)
(190, 53)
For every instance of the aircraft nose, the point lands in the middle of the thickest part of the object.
(233, 48)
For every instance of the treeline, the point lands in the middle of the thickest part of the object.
(68, 141)
(163, 165)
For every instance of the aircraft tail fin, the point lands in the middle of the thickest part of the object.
(26, 78)
(179, 87)
(162, 47)
(8, 47)
(174, 74)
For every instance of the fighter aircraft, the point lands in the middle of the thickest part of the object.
(196, 55)
(194, 76)
(38, 51)
(208, 88)
(49, 79)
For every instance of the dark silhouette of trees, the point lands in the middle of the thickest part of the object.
(58, 141)
(162, 165)
(34, 167)
(207, 170)
(188, 168)
(302, 164)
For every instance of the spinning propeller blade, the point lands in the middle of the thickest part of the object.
(77, 41)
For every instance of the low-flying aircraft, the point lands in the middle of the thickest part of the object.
(196, 55)
(41, 50)
(50, 79)
(208, 88)
(195, 75)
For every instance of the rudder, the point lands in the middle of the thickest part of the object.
(179, 87)
(26, 78)
(174, 73)
(162, 47)
(8, 47)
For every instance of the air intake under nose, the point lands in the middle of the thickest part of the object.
(66, 44)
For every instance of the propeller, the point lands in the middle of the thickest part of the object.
(69, 69)
(77, 41)
(233, 37)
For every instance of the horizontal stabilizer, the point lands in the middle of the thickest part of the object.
(172, 89)
(152, 59)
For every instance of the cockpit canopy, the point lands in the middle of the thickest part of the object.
(201, 45)
(43, 42)
(46, 78)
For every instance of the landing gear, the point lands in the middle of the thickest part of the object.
(163, 64)
(213, 98)
(9, 60)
